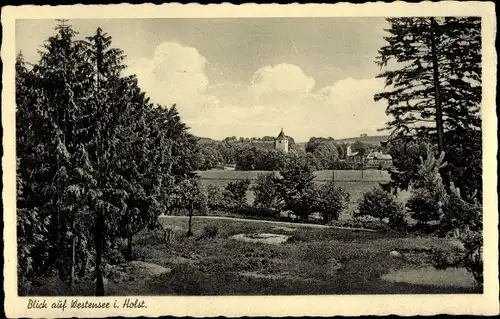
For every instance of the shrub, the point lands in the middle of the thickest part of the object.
(215, 197)
(301, 203)
(210, 232)
(329, 201)
(380, 204)
(235, 192)
(428, 194)
(459, 214)
(296, 185)
(471, 257)
(115, 256)
(267, 192)
(424, 205)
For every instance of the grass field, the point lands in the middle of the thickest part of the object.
(356, 183)
(315, 260)
(369, 175)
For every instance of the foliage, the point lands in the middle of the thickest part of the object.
(416, 81)
(411, 100)
(96, 160)
(460, 214)
(210, 157)
(266, 189)
(406, 158)
(428, 191)
(236, 192)
(296, 185)
(210, 232)
(329, 201)
(215, 197)
(189, 195)
(327, 155)
(380, 204)
(465, 162)
(249, 157)
(360, 147)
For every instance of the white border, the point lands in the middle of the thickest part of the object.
(485, 304)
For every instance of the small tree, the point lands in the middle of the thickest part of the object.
(380, 204)
(360, 147)
(429, 193)
(458, 213)
(302, 203)
(190, 195)
(329, 201)
(266, 191)
(215, 197)
(236, 192)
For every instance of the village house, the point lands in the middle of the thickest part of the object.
(353, 157)
(378, 160)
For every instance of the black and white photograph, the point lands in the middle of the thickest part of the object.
(249, 156)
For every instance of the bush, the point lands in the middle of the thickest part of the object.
(423, 205)
(459, 214)
(215, 197)
(329, 201)
(380, 204)
(296, 185)
(210, 232)
(428, 194)
(267, 193)
(235, 192)
(473, 258)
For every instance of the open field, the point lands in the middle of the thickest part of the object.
(369, 175)
(356, 183)
(314, 260)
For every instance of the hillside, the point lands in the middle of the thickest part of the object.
(373, 140)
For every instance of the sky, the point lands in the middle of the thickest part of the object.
(248, 77)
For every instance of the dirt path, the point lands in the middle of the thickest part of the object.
(272, 222)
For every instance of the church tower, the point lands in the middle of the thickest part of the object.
(281, 142)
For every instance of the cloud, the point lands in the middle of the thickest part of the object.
(276, 96)
(281, 84)
(347, 108)
(175, 74)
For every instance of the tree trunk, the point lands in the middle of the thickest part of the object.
(437, 98)
(325, 219)
(73, 261)
(129, 245)
(166, 236)
(99, 236)
(189, 232)
(437, 90)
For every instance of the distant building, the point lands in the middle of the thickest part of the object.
(364, 135)
(281, 142)
(352, 157)
(379, 160)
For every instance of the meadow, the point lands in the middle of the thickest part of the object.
(354, 182)
(314, 260)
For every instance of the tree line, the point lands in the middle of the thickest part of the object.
(96, 160)
(245, 154)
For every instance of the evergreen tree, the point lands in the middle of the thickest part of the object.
(435, 90)
(58, 88)
(32, 225)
